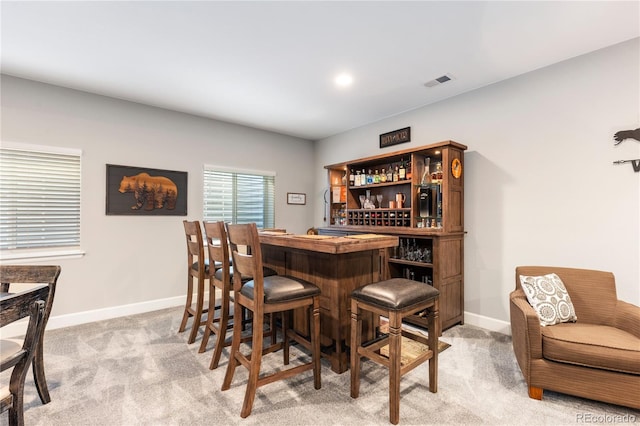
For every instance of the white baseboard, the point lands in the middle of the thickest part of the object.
(113, 312)
(487, 323)
(68, 320)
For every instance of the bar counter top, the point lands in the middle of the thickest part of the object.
(328, 243)
(337, 265)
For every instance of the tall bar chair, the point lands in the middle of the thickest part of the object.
(34, 274)
(262, 295)
(198, 269)
(395, 299)
(220, 290)
(219, 284)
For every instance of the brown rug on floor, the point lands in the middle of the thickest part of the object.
(410, 348)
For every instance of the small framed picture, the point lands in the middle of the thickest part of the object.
(296, 198)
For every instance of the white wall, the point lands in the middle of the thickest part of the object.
(140, 262)
(540, 187)
(540, 184)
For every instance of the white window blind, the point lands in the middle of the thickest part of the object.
(239, 197)
(39, 198)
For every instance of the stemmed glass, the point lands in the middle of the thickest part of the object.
(362, 198)
(379, 198)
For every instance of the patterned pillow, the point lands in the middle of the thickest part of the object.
(548, 296)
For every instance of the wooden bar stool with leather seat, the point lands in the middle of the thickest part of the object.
(198, 268)
(218, 250)
(221, 280)
(263, 295)
(34, 274)
(395, 299)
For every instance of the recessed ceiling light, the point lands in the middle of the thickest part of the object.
(344, 80)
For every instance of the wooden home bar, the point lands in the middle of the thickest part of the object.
(409, 224)
(337, 265)
(421, 202)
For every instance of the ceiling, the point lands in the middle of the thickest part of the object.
(271, 65)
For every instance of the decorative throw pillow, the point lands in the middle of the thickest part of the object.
(548, 296)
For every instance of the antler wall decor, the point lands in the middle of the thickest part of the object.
(634, 163)
(626, 134)
(623, 135)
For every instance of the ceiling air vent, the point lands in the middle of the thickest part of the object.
(439, 80)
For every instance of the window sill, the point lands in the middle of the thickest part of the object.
(10, 256)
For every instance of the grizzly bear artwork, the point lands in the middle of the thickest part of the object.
(142, 191)
(150, 192)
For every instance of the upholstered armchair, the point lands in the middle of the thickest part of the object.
(595, 357)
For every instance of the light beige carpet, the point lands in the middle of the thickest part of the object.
(138, 370)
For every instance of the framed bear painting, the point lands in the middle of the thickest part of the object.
(140, 191)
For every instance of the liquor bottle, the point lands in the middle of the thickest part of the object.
(395, 174)
(376, 177)
(352, 178)
(426, 175)
(363, 178)
(426, 202)
(389, 174)
(369, 177)
(437, 175)
(409, 175)
(357, 180)
(402, 172)
(383, 176)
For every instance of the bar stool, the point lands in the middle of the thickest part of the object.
(395, 299)
(220, 287)
(263, 295)
(198, 268)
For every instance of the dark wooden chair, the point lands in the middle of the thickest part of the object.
(395, 299)
(13, 307)
(34, 274)
(220, 287)
(219, 284)
(264, 295)
(198, 269)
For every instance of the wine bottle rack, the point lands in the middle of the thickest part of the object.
(379, 217)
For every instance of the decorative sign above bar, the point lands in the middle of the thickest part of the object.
(396, 137)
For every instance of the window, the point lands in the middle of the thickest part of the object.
(39, 197)
(239, 196)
